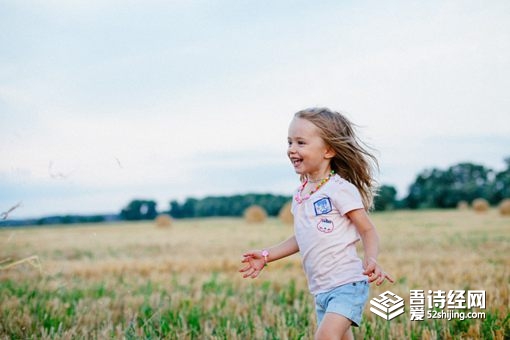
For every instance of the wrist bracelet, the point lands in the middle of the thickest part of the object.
(265, 253)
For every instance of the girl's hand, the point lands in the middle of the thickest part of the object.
(255, 262)
(375, 272)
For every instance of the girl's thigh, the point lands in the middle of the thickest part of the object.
(334, 326)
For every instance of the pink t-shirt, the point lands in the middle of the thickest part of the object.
(327, 238)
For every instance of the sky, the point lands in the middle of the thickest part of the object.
(102, 102)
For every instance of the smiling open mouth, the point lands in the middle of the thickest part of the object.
(296, 161)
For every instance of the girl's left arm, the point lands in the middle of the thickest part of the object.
(370, 239)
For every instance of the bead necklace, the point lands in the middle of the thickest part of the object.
(323, 181)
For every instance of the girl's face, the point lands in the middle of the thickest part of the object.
(307, 151)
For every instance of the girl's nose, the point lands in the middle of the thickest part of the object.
(291, 148)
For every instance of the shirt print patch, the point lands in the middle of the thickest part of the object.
(322, 206)
(325, 225)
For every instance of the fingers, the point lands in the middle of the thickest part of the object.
(250, 272)
(377, 275)
(373, 277)
(370, 268)
(254, 274)
(242, 270)
(389, 277)
(254, 254)
(253, 266)
(379, 278)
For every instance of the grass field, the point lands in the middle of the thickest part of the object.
(133, 280)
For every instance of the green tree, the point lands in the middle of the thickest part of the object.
(139, 210)
(445, 188)
(386, 198)
(227, 205)
(421, 191)
(189, 208)
(501, 184)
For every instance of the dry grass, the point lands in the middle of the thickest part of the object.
(504, 207)
(463, 205)
(285, 214)
(163, 221)
(31, 260)
(255, 214)
(128, 279)
(480, 205)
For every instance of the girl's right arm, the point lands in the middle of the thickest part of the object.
(256, 261)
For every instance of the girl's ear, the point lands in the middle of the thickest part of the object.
(330, 153)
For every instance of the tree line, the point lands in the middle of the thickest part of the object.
(432, 188)
(436, 188)
(227, 206)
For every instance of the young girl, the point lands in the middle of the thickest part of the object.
(330, 216)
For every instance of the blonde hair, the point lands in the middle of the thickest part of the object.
(352, 160)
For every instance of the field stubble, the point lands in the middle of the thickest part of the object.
(134, 280)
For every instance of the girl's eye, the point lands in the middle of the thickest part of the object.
(299, 142)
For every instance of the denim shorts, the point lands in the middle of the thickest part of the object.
(347, 300)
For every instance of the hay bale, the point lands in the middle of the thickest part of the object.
(480, 205)
(163, 221)
(255, 214)
(285, 215)
(504, 207)
(463, 205)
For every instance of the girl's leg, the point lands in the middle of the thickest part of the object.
(334, 326)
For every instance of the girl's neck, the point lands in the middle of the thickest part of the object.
(300, 197)
(317, 177)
